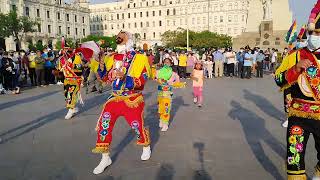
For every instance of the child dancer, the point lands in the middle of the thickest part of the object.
(167, 80)
(197, 77)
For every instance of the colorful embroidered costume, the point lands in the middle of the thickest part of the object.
(167, 80)
(126, 99)
(304, 110)
(71, 66)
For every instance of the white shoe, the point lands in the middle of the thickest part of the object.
(165, 128)
(195, 100)
(285, 124)
(75, 110)
(160, 124)
(146, 153)
(316, 178)
(104, 163)
(69, 114)
(59, 83)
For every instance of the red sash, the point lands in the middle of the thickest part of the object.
(312, 73)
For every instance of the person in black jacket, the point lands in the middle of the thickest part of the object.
(7, 66)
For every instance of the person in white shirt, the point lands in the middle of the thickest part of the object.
(209, 67)
(175, 62)
(274, 59)
(231, 60)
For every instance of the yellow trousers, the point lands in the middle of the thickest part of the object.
(164, 109)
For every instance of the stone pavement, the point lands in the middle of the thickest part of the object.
(236, 135)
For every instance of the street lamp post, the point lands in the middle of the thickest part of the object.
(187, 26)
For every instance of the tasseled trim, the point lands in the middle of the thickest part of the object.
(164, 121)
(147, 138)
(308, 115)
(101, 148)
(127, 100)
(317, 172)
(297, 177)
(179, 85)
(285, 87)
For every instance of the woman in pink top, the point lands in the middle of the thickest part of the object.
(197, 77)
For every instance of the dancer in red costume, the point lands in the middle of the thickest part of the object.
(128, 76)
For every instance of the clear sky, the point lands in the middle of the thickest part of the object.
(300, 8)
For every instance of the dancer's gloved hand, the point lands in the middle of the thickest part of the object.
(303, 64)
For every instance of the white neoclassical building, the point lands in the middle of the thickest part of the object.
(151, 18)
(56, 17)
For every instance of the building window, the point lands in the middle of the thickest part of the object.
(147, 24)
(117, 16)
(122, 26)
(75, 18)
(135, 25)
(160, 2)
(153, 3)
(68, 17)
(27, 11)
(122, 16)
(135, 15)
(38, 12)
(98, 27)
(84, 32)
(144, 36)
(128, 15)
(168, 12)
(141, 24)
(147, 14)
(174, 11)
(48, 14)
(242, 18)
(129, 25)
(39, 27)
(82, 19)
(49, 28)
(68, 30)
(93, 27)
(159, 12)
(111, 26)
(229, 18)
(59, 30)
(14, 7)
(140, 14)
(153, 13)
(134, 4)
(101, 27)
(147, 3)
(168, 22)
(111, 17)
(154, 35)
(174, 23)
(76, 31)
(153, 24)
(128, 6)
(221, 19)
(160, 23)
(58, 16)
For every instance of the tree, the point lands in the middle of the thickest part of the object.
(69, 42)
(136, 38)
(13, 25)
(198, 40)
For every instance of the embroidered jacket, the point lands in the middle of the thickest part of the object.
(304, 86)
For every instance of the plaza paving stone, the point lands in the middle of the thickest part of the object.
(236, 135)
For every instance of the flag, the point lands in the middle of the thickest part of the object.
(292, 33)
(62, 43)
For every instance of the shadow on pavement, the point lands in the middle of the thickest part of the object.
(200, 174)
(264, 105)
(128, 138)
(39, 122)
(26, 100)
(166, 172)
(177, 102)
(256, 132)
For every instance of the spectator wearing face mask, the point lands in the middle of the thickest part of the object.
(240, 60)
(39, 68)
(24, 65)
(1, 72)
(32, 68)
(8, 65)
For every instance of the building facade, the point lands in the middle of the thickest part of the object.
(151, 18)
(56, 19)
